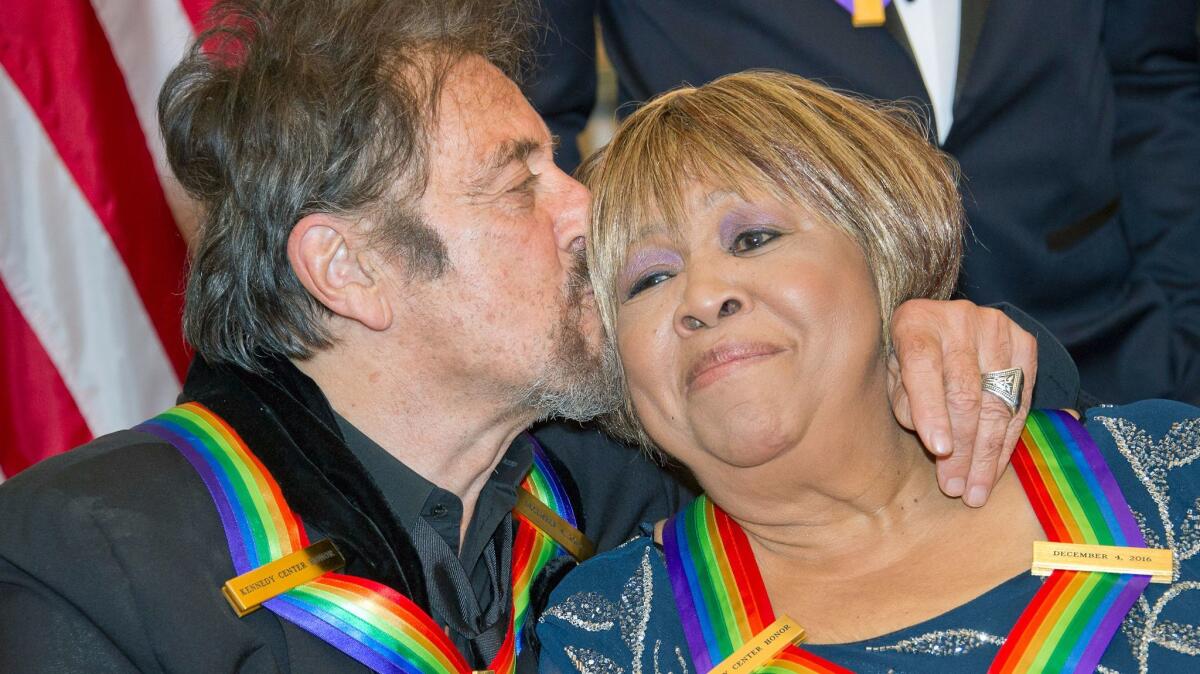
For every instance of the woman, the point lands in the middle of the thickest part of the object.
(751, 239)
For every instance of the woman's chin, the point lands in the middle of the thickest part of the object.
(745, 444)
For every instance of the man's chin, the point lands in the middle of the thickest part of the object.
(577, 384)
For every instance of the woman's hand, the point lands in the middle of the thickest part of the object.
(940, 351)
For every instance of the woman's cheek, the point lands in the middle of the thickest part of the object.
(646, 349)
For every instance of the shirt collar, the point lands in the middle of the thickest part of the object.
(409, 495)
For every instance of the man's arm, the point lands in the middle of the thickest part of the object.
(562, 86)
(1152, 53)
(940, 351)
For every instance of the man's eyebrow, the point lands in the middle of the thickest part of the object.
(512, 150)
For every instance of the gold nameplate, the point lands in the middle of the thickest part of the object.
(762, 648)
(249, 590)
(571, 539)
(1153, 562)
(867, 13)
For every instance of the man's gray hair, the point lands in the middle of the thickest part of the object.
(282, 109)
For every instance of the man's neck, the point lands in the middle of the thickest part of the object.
(452, 435)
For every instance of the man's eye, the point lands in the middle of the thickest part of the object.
(648, 281)
(525, 186)
(752, 239)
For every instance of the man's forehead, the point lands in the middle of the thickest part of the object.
(485, 120)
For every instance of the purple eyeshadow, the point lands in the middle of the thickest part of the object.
(643, 260)
(733, 222)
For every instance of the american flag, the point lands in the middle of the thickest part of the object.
(91, 255)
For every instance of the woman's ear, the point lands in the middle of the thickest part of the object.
(332, 261)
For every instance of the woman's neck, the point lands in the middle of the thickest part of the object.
(860, 541)
(864, 484)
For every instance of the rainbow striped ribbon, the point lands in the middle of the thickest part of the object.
(719, 590)
(722, 600)
(531, 548)
(1075, 614)
(368, 621)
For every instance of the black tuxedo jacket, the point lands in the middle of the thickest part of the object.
(1076, 123)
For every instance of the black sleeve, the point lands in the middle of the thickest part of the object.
(1153, 56)
(41, 631)
(562, 86)
(1057, 385)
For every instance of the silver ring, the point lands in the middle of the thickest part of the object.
(1006, 385)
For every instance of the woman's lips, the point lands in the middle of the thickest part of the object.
(725, 358)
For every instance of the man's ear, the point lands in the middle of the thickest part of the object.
(332, 263)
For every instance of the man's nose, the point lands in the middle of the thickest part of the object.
(571, 219)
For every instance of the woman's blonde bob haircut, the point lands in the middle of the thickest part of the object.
(860, 167)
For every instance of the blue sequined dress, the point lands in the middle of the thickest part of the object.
(615, 614)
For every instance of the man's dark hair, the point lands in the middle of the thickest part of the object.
(282, 109)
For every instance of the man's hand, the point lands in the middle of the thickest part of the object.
(940, 351)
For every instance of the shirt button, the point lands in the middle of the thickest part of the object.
(438, 510)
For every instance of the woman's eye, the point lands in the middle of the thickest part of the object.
(752, 239)
(648, 281)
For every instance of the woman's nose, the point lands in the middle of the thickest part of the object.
(706, 303)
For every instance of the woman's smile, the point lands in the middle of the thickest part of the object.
(725, 359)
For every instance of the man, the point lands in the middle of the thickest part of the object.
(384, 296)
(1076, 125)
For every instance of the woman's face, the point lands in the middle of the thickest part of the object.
(758, 323)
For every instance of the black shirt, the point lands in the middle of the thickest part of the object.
(420, 506)
(472, 595)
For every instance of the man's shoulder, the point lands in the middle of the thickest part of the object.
(119, 541)
(126, 489)
(121, 465)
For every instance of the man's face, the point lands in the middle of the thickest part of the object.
(513, 314)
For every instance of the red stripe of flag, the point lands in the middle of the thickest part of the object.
(195, 10)
(58, 55)
(32, 394)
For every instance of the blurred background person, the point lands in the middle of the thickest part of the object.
(1076, 124)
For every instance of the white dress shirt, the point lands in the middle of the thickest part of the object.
(932, 27)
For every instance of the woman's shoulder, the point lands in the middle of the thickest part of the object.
(1152, 448)
(606, 575)
(615, 611)
(1153, 415)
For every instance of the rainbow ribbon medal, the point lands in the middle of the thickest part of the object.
(532, 549)
(366, 620)
(1075, 614)
(723, 603)
(719, 590)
